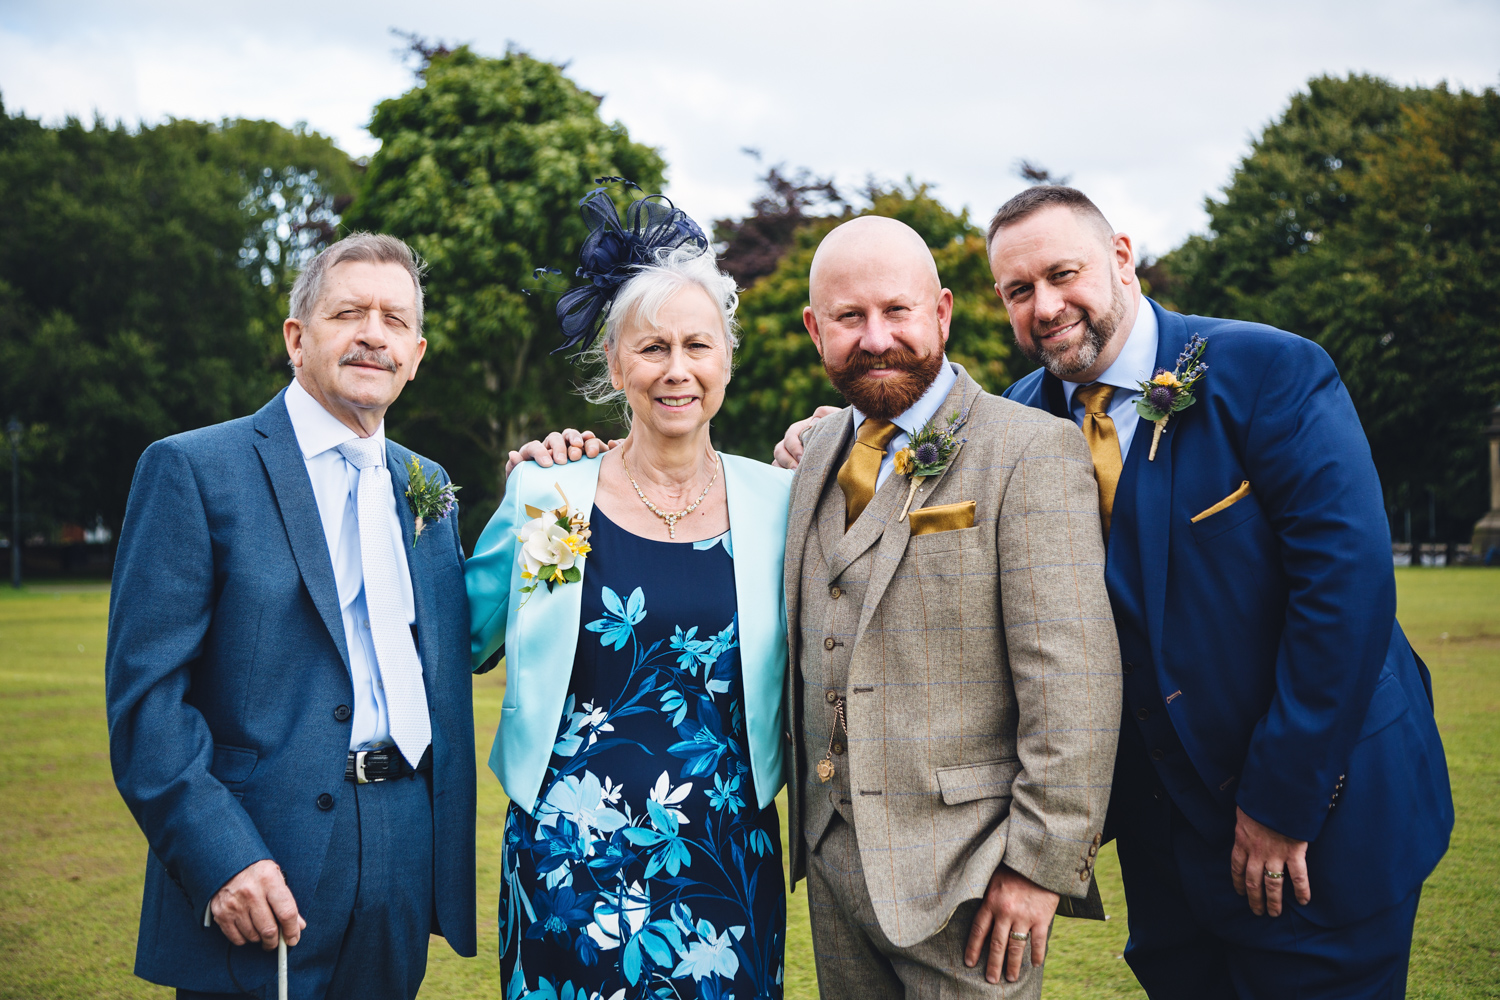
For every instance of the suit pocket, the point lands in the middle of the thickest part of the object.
(1229, 513)
(233, 765)
(944, 517)
(971, 782)
(1387, 704)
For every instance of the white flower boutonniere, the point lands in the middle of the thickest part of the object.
(553, 543)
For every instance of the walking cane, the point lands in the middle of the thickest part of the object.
(280, 967)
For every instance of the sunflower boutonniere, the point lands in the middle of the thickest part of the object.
(929, 452)
(553, 543)
(1169, 391)
(430, 500)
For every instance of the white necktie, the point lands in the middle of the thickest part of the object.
(395, 653)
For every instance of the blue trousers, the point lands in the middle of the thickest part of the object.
(1192, 937)
(368, 925)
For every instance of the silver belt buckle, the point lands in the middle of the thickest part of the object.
(359, 767)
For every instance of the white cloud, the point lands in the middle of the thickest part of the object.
(1147, 106)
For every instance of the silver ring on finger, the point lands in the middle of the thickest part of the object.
(1018, 936)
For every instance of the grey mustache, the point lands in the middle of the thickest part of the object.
(362, 356)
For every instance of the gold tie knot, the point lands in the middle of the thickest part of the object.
(877, 433)
(1096, 397)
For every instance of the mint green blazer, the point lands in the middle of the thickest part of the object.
(541, 638)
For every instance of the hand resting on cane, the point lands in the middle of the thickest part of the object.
(256, 905)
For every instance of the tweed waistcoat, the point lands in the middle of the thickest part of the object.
(980, 666)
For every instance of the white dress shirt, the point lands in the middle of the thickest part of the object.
(335, 485)
(1135, 364)
(914, 418)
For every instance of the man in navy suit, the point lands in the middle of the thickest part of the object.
(288, 686)
(1280, 789)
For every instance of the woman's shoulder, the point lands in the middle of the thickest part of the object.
(757, 475)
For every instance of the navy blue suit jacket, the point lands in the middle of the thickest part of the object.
(225, 669)
(1261, 643)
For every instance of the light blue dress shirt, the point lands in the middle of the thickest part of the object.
(335, 485)
(914, 418)
(1135, 364)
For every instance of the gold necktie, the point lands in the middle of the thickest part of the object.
(1104, 445)
(862, 467)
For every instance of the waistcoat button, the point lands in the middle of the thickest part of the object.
(831, 696)
(1158, 754)
(1143, 714)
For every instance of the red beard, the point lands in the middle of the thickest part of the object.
(891, 396)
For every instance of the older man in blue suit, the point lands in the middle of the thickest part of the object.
(1278, 741)
(287, 677)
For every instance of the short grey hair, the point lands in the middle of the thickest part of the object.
(369, 248)
(640, 299)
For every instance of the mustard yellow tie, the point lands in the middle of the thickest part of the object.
(1104, 445)
(862, 467)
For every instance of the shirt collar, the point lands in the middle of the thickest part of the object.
(1137, 360)
(925, 408)
(318, 430)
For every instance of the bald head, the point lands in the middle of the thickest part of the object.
(869, 249)
(877, 313)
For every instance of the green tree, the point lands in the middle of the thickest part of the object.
(481, 169)
(132, 300)
(778, 376)
(1368, 218)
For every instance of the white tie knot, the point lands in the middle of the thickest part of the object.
(363, 453)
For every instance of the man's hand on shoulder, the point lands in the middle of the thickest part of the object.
(1258, 849)
(560, 448)
(789, 448)
(255, 905)
(1013, 904)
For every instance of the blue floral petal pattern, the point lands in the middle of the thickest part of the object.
(648, 870)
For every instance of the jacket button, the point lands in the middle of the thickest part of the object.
(1158, 754)
(831, 696)
(835, 592)
(1143, 714)
(828, 643)
(325, 802)
(342, 713)
(837, 748)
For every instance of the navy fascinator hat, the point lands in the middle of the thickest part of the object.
(613, 253)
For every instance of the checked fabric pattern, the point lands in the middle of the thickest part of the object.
(980, 667)
(395, 652)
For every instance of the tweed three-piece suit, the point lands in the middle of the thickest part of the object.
(978, 666)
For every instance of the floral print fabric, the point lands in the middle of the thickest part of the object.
(647, 870)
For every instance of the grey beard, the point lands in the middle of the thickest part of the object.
(1096, 334)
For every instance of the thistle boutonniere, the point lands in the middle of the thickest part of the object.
(929, 452)
(430, 500)
(553, 543)
(1170, 391)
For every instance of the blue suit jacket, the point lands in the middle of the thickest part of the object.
(540, 639)
(226, 663)
(1261, 641)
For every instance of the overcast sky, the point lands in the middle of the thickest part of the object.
(1146, 105)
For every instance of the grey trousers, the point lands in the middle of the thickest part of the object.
(856, 961)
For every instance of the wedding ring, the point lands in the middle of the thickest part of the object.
(1271, 874)
(1018, 936)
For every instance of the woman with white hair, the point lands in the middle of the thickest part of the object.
(637, 600)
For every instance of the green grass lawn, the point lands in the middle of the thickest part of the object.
(70, 872)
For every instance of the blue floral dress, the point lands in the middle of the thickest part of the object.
(647, 870)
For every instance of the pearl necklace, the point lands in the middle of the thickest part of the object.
(671, 517)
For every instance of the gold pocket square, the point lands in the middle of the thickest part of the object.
(946, 517)
(1227, 502)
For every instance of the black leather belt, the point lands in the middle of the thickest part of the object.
(365, 766)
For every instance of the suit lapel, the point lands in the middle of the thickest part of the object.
(416, 563)
(282, 458)
(823, 450)
(1153, 486)
(894, 534)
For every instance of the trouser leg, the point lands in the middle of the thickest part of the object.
(384, 951)
(857, 961)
